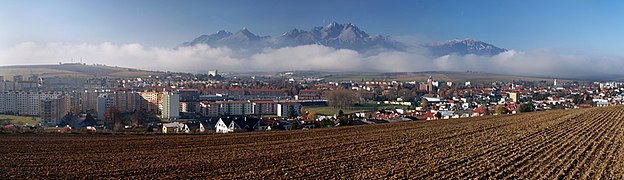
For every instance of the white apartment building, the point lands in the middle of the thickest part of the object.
(104, 101)
(24, 103)
(170, 105)
(284, 107)
(54, 109)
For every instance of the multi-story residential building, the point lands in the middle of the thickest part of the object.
(6, 86)
(25, 86)
(235, 108)
(189, 95)
(226, 108)
(255, 94)
(267, 92)
(17, 78)
(127, 101)
(308, 94)
(210, 109)
(6, 102)
(152, 101)
(189, 107)
(170, 105)
(104, 102)
(264, 107)
(86, 100)
(24, 103)
(53, 110)
(283, 108)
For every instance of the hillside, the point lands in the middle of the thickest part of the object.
(437, 76)
(572, 144)
(72, 70)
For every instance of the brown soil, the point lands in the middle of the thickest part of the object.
(577, 144)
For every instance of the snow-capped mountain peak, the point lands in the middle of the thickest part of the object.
(332, 24)
(463, 47)
(339, 36)
(336, 35)
(293, 33)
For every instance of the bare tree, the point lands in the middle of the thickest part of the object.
(112, 118)
(342, 98)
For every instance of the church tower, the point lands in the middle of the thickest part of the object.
(430, 84)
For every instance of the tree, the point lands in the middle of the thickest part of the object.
(442, 93)
(540, 96)
(500, 109)
(449, 93)
(345, 121)
(340, 114)
(311, 115)
(423, 102)
(112, 119)
(292, 114)
(341, 98)
(406, 94)
(326, 123)
(578, 100)
(486, 109)
(295, 124)
(527, 107)
(438, 115)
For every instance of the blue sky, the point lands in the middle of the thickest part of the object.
(590, 27)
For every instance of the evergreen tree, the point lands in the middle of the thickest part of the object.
(292, 114)
(340, 113)
(527, 107)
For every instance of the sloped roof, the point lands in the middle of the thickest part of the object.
(244, 122)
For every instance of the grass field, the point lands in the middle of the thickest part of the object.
(325, 110)
(20, 120)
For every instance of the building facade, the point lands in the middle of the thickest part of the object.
(170, 105)
(283, 108)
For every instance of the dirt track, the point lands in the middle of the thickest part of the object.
(586, 143)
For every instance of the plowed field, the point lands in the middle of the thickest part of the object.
(576, 144)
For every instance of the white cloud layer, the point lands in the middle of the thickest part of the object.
(201, 58)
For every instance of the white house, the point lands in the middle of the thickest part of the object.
(231, 124)
(185, 128)
(226, 125)
(201, 127)
(174, 127)
(221, 127)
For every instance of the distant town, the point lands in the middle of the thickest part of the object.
(223, 103)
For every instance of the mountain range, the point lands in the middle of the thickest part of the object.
(339, 36)
(464, 47)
